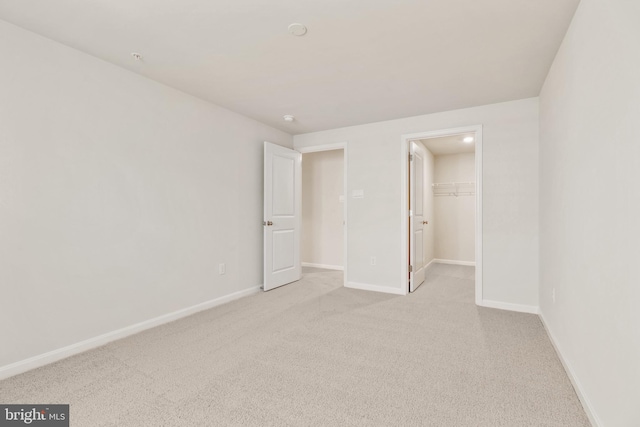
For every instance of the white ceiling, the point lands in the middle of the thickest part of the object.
(452, 144)
(361, 61)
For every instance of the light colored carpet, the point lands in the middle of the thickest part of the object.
(315, 353)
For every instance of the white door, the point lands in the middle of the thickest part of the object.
(282, 215)
(418, 221)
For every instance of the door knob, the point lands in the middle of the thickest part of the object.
(425, 222)
(267, 223)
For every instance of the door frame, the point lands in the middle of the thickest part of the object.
(330, 147)
(404, 186)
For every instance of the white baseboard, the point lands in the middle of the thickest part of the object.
(374, 288)
(82, 346)
(455, 262)
(325, 266)
(532, 309)
(433, 261)
(586, 404)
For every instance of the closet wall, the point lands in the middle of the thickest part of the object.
(454, 216)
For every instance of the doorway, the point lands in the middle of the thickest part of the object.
(441, 203)
(315, 250)
(323, 219)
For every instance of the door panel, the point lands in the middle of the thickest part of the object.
(282, 215)
(418, 238)
(283, 186)
(283, 250)
(419, 184)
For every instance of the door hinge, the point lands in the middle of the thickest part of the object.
(410, 268)
(411, 157)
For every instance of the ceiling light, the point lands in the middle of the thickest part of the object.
(297, 29)
(468, 139)
(288, 118)
(136, 56)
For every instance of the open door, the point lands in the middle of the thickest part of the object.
(417, 220)
(282, 215)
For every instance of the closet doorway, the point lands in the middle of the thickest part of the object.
(443, 203)
(324, 207)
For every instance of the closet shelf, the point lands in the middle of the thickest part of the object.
(467, 193)
(451, 184)
(456, 189)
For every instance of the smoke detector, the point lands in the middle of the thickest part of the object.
(137, 56)
(297, 29)
(288, 118)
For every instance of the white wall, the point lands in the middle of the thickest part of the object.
(118, 197)
(455, 216)
(429, 213)
(510, 226)
(590, 207)
(322, 211)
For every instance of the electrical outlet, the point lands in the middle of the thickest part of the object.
(553, 295)
(373, 260)
(222, 269)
